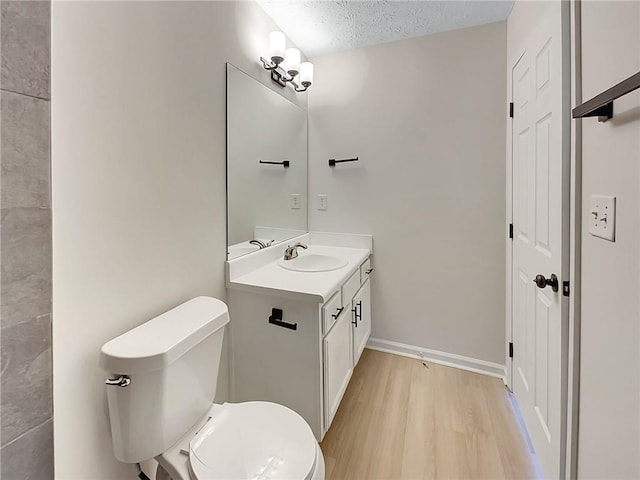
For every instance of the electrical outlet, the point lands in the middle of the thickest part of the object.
(322, 201)
(602, 217)
(295, 201)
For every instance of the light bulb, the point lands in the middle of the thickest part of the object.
(292, 61)
(277, 44)
(306, 74)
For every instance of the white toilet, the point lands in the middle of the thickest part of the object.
(160, 397)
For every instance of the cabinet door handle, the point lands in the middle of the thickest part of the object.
(368, 272)
(357, 316)
(338, 312)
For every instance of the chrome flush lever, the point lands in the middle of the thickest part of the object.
(121, 381)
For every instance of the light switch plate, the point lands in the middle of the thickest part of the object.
(295, 201)
(602, 217)
(322, 201)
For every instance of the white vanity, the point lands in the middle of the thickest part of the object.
(297, 335)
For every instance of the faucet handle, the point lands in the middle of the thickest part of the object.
(291, 252)
(259, 243)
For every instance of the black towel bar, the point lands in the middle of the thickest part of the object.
(602, 105)
(284, 163)
(333, 161)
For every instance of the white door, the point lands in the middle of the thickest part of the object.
(338, 365)
(361, 319)
(540, 218)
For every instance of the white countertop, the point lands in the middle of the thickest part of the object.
(316, 286)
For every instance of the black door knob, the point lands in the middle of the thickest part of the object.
(542, 282)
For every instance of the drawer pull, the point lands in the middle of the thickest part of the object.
(368, 272)
(357, 316)
(338, 312)
(276, 319)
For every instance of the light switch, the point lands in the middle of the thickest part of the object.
(602, 217)
(322, 201)
(295, 201)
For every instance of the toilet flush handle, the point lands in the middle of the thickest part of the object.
(121, 381)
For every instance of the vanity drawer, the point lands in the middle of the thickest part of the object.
(350, 288)
(365, 270)
(330, 311)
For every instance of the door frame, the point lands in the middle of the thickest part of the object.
(572, 193)
(575, 245)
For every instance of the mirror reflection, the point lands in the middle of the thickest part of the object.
(266, 166)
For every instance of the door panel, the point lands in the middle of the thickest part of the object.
(361, 320)
(337, 347)
(538, 166)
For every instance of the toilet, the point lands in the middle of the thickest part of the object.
(160, 393)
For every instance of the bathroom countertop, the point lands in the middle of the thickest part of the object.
(313, 286)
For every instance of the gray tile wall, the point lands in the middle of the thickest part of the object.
(26, 409)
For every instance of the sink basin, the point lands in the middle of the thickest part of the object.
(313, 262)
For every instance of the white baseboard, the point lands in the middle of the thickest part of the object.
(441, 358)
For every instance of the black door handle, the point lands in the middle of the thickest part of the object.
(543, 282)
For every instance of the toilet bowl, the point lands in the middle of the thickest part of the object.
(160, 396)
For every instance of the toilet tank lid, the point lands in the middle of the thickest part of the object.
(162, 340)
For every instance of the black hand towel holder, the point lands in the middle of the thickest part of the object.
(333, 161)
(284, 163)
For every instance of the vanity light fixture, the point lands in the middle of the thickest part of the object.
(285, 65)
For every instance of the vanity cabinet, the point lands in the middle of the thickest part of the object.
(289, 349)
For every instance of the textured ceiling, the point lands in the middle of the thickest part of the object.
(321, 26)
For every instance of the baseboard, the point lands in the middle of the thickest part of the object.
(441, 358)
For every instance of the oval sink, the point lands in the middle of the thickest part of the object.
(313, 262)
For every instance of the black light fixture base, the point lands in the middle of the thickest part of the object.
(280, 76)
(277, 78)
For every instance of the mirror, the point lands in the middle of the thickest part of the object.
(266, 166)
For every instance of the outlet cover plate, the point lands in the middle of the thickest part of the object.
(323, 199)
(602, 216)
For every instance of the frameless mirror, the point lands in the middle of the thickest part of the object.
(266, 166)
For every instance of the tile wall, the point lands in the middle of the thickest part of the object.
(26, 432)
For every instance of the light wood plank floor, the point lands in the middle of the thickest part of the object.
(402, 420)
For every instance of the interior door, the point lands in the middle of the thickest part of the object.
(540, 216)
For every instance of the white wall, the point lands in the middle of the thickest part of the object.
(138, 154)
(609, 416)
(427, 118)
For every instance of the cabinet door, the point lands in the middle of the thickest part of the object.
(337, 364)
(361, 314)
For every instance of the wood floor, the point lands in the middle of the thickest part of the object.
(402, 420)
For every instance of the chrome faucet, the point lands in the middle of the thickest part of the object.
(261, 244)
(292, 252)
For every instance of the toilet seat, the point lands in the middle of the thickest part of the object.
(253, 440)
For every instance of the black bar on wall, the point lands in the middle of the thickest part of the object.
(602, 105)
(333, 161)
(284, 163)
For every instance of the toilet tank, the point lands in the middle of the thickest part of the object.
(172, 363)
